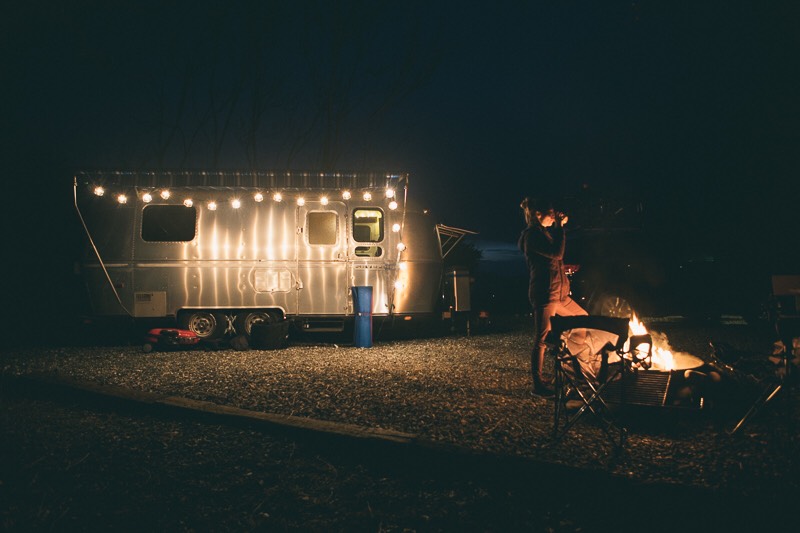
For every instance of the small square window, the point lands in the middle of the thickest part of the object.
(169, 223)
(321, 227)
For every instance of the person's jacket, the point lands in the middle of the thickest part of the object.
(544, 253)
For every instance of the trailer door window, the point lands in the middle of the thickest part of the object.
(368, 228)
(169, 223)
(321, 227)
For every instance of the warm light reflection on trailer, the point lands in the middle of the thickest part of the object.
(238, 239)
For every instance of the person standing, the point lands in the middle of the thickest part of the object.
(543, 242)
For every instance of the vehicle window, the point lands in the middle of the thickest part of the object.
(368, 227)
(169, 223)
(321, 227)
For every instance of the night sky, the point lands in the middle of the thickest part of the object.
(692, 108)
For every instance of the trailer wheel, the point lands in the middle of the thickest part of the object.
(244, 322)
(205, 324)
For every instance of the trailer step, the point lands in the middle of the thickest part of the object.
(322, 325)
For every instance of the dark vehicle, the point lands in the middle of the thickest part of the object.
(613, 272)
(617, 271)
(499, 280)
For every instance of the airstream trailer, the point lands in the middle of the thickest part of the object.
(218, 252)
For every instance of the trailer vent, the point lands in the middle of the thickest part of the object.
(272, 280)
(150, 304)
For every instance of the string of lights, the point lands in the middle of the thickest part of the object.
(298, 196)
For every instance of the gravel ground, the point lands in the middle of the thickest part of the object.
(472, 392)
(69, 466)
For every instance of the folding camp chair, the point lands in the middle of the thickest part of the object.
(786, 320)
(572, 380)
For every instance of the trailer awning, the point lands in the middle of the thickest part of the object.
(449, 237)
(256, 179)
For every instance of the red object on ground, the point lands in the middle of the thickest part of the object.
(169, 337)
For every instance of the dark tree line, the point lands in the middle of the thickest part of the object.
(264, 85)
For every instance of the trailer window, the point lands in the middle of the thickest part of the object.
(321, 227)
(368, 227)
(169, 223)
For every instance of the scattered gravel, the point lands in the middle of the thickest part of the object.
(468, 391)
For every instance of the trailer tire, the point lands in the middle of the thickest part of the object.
(244, 321)
(205, 324)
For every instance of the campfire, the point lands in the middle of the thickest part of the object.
(662, 356)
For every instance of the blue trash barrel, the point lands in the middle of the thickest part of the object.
(362, 308)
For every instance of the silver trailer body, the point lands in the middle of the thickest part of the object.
(222, 251)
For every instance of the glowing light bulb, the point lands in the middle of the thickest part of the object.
(236, 203)
(277, 197)
(392, 205)
(367, 197)
(258, 197)
(147, 197)
(212, 206)
(345, 195)
(389, 193)
(122, 199)
(400, 246)
(301, 201)
(188, 202)
(165, 194)
(99, 191)
(395, 227)
(324, 200)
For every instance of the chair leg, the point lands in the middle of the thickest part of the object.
(608, 425)
(559, 396)
(765, 398)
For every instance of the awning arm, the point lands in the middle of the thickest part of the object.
(449, 237)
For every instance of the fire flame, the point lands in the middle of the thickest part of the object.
(662, 358)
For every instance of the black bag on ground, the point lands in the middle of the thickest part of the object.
(273, 336)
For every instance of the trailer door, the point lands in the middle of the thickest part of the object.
(322, 259)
